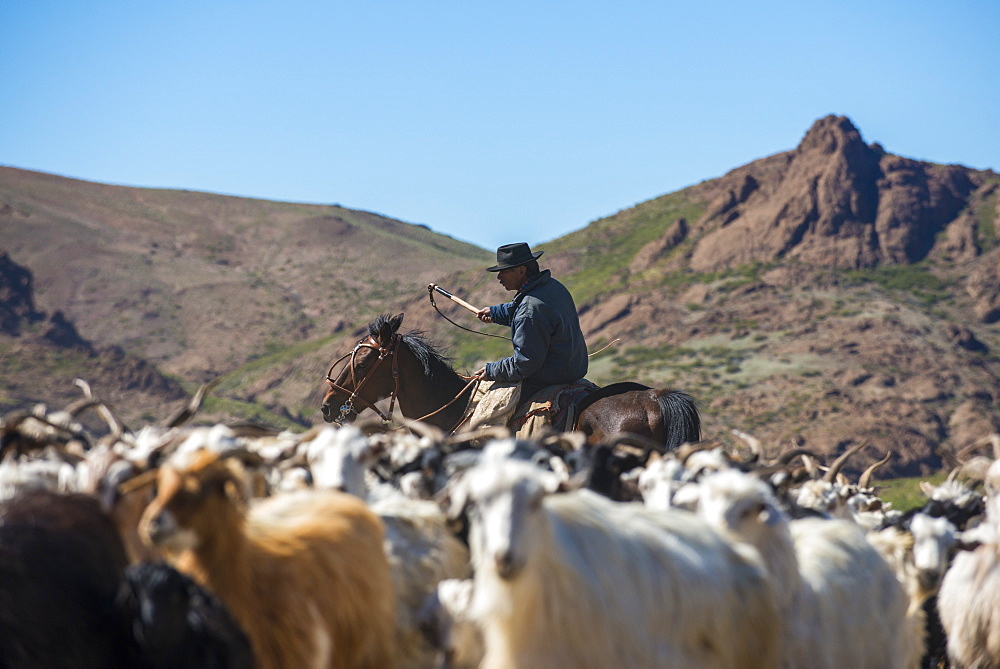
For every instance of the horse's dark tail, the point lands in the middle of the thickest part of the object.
(680, 416)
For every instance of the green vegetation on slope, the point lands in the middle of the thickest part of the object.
(986, 232)
(916, 280)
(904, 493)
(605, 248)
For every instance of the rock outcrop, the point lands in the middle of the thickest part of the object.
(36, 341)
(17, 304)
(834, 201)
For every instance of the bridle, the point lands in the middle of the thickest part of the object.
(384, 352)
(347, 408)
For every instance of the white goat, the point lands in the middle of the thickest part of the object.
(968, 605)
(842, 603)
(577, 580)
(36, 473)
(933, 541)
(969, 598)
(659, 480)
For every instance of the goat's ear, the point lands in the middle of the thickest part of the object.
(969, 540)
(373, 451)
(234, 492)
(768, 514)
(686, 497)
(552, 483)
(576, 481)
(453, 499)
(927, 488)
(632, 475)
(654, 456)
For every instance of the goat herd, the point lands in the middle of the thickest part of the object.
(363, 546)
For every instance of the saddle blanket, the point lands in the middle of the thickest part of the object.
(551, 408)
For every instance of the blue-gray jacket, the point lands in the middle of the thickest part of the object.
(545, 330)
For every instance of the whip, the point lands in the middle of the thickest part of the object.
(434, 288)
(457, 300)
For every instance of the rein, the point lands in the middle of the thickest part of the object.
(466, 415)
(388, 352)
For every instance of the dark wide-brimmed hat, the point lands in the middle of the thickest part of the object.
(512, 255)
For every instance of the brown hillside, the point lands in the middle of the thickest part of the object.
(199, 284)
(42, 354)
(820, 296)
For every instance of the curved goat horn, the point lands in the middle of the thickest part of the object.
(867, 475)
(686, 450)
(186, 412)
(637, 440)
(143, 479)
(487, 432)
(992, 439)
(372, 427)
(421, 429)
(838, 464)
(972, 470)
(115, 427)
(244, 455)
(786, 457)
(756, 450)
(81, 405)
(568, 441)
(84, 386)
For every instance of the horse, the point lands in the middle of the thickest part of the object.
(407, 368)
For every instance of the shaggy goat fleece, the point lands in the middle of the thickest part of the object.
(576, 580)
(842, 604)
(969, 605)
(304, 574)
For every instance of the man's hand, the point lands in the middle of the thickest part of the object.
(480, 374)
(484, 315)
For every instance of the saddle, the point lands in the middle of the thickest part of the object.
(555, 407)
(551, 408)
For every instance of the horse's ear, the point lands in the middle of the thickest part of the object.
(389, 328)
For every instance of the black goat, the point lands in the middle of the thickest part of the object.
(62, 565)
(69, 599)
(177, 623)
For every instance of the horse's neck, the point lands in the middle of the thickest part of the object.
(421, 395)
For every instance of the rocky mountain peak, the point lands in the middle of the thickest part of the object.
(830, 134)
(834, 201)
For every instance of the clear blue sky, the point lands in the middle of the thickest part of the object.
(488, 121)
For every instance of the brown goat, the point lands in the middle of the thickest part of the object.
(304, 574)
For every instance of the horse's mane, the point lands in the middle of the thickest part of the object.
(431, 358)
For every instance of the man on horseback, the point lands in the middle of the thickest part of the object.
(549, 346)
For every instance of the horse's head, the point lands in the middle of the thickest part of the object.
(367, 375)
